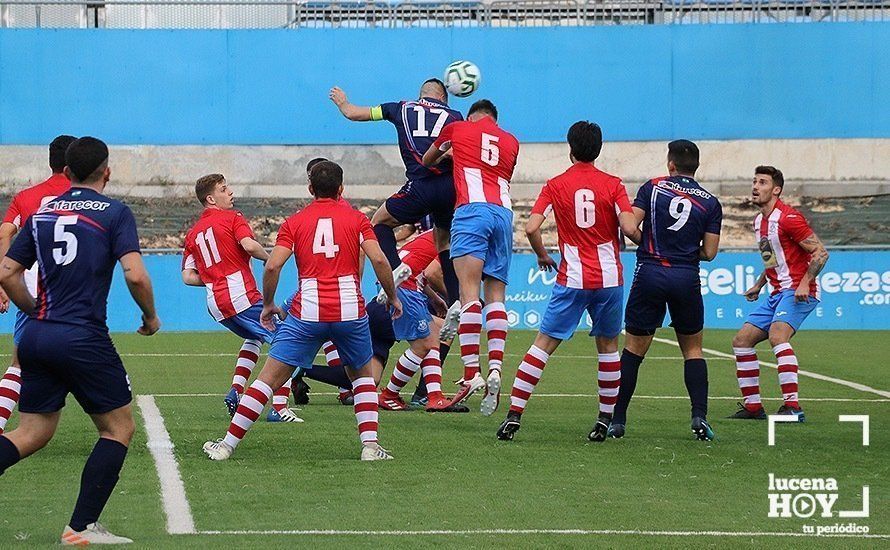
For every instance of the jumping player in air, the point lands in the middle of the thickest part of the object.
(681, 227)
(429, 190)
(77, 238)
(328, 306)
(23, 206)
(589, 206)
(481, 237)
(792, 258)
(217, 254)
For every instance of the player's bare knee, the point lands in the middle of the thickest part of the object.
(778, 336)
(741, 340)
(383, 216)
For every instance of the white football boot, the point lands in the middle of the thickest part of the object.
(468, 388)
(373, 451)
(399, 276)
(492, 393)
(450, 323)
(95, 533)
(218, 450)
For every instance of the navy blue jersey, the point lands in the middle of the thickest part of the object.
(76, 239)
(678, 214)
(418, 124)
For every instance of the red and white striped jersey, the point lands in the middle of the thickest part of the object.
(418, 254)
(585, 202)
(325, 238)
(213, 248)
(779, 236)
(484, 159)
(26, 203)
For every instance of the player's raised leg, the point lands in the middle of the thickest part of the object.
(274, 373)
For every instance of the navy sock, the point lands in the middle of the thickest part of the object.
(9, 454)
(333, 376)
(387, 239)
(695, 374)
(451, 285)
(630, 367)
(100, 475)
(443, 351)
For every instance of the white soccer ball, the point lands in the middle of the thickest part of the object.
(462, 78)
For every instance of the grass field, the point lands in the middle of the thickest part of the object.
(452, 476)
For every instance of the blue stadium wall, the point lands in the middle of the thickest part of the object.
(855, 293)
(270, 86)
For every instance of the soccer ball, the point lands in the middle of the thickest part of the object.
(462, 78)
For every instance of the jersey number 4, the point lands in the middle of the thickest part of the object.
(323, 243)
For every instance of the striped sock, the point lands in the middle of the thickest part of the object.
(748, 374)
(281, 395)
(609, 380)
(787, 373)
(331, 355)
(409, 363)
(431, 370)
(10, 388)
(365, 405)
(468, 334)
(527, 377)
(495, 315)
(247, 358)
(249, 409)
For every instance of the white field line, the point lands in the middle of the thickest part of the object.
(591, 395)
(855, 385)
(309, 532)
(235, 355)
(176, 505)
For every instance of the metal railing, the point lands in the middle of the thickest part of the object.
(259, 14)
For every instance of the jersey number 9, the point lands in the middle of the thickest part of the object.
(679, 214)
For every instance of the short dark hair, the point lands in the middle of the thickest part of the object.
(326, 177)
(86, 158)
(772, 172)
(684, 154)
(206, 184)
(585, 140)
(57, 148)
(484, 106)
(313, 162)
(438, 83)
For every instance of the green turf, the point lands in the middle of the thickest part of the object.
(450, 472)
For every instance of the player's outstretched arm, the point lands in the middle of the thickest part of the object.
(384, 275)
(630, 226)
(12, 280)
(271, 275)
(433, 155)
(7, 232)
(533, 232)
(710, 244)
(255, 249)
(818, 258)
(139, 284)
(191, 278)
(347, 109)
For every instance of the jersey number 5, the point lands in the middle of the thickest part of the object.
(490, 152)
(323, 243)
(64, 254)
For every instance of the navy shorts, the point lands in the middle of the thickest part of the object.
(58, 359)
(418, 198)
(656, 289)
(383, 336)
